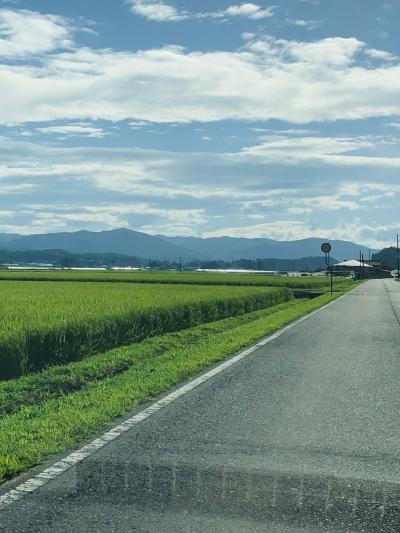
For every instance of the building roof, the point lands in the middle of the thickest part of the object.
(352, 263)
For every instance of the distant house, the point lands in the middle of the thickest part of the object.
(362, 269)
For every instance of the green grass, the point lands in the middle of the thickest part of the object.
(52, 323)
(319, 283)
(54, 410)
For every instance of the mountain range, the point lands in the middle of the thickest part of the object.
(135, 243)
(236, 248)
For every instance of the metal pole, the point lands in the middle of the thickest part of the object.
(398, 259)
(328, 264)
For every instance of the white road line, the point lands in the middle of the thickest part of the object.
(86, 451)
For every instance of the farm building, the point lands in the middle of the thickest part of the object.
(362, 269)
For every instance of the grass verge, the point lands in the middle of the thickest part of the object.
(111, 384)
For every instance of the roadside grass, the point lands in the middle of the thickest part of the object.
(71, 403)
(318, 283)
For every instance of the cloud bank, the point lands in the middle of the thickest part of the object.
(298, 82)
(158, 11)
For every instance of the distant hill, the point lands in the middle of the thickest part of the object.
(138, 244)
(229, 248)
(388, 256)
(118, 241)
(7, 237)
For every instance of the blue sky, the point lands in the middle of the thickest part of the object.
(277, 119)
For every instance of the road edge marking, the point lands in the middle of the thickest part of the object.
(76, 457)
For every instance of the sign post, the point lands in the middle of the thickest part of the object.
(326, 249)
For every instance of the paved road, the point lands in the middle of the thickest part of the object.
(303, 435)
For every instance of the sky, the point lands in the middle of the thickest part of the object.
(272, 119)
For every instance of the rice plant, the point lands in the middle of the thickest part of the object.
(52, 323)
(318, 283)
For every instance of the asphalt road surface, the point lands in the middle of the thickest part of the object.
(302, 435)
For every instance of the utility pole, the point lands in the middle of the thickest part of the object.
(180, 264)
(326, 248)
(398, 259)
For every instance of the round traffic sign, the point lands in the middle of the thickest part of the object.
(326, 247)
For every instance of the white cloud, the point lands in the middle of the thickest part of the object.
(249, 10)
(248, 35)
(270, 79)
(337, 151)
(158, 11)
(287, 230)
(380, 54)
(75, 130)
(282, 230)
(333, 51)
(105, 216)
(290, 131)
(138, 124)
(26, 33)
(306, 24)
(288, 204)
